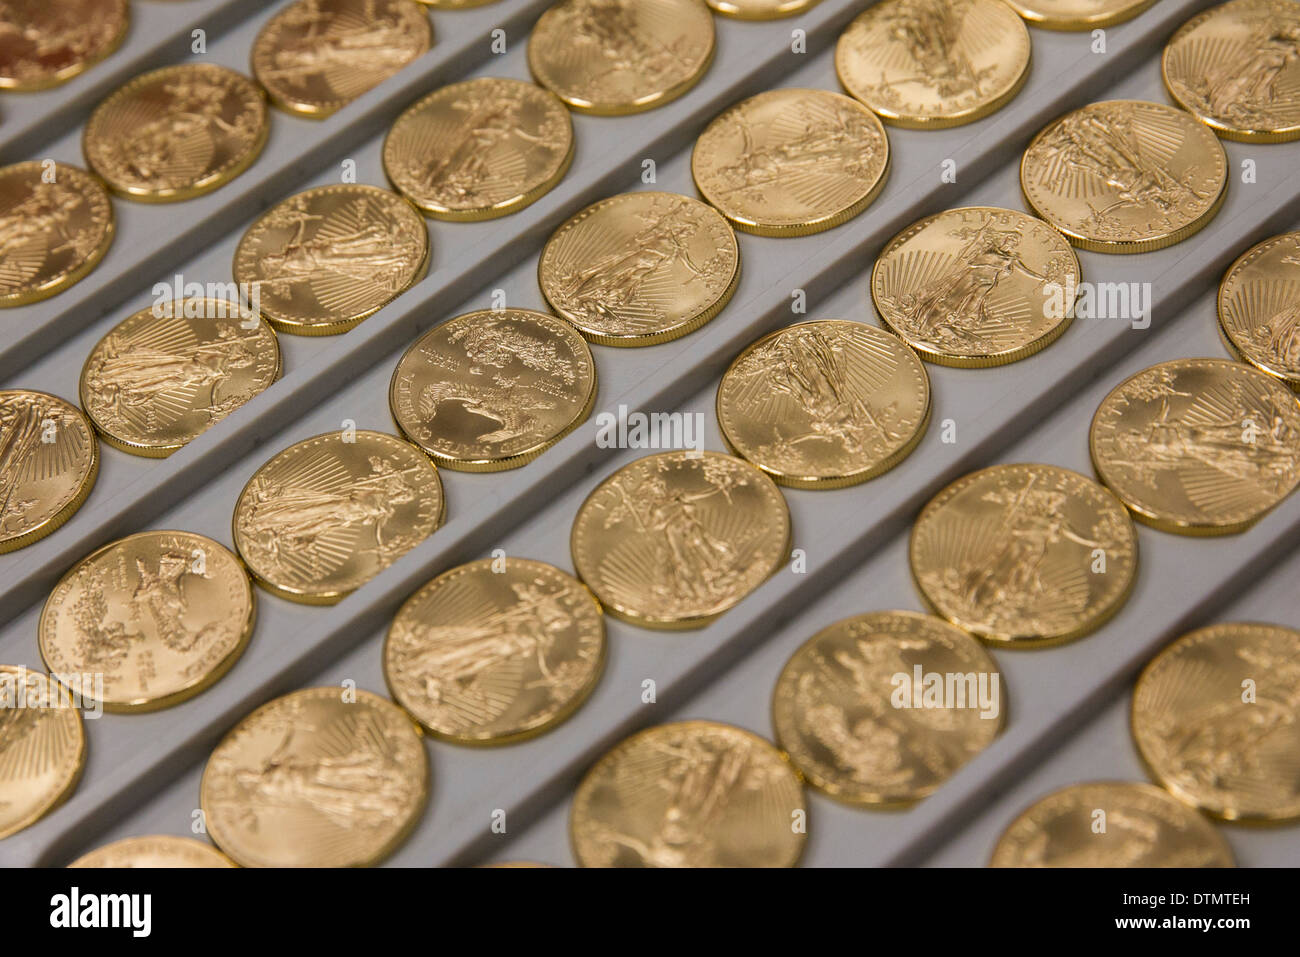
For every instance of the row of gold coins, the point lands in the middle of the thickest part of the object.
(673, 498)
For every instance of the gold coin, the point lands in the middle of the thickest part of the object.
(1125, 176)
(791, 162)
(931, 64)
(1024, 554)
(161, 850)
(48, 462)
(689, 794)
(1230, 752)
(673, 540)
(325, 259)
(479, 149)
(824, 404)
(761, 9)
(492, 653)
(881, 709)
(640, 268)
(43, 44)
(316, 56)
(324, 777)
(612, 57)
(56, 224)
(1078, 14)
(176, 133)
(327, 514)
(164, 375)
(1198, 446)
(976, 287)
(493, 389)
(1259, 307)
(1111, 824)
(161, 616)
(455, 4)
(42, 747)
(1236, 68)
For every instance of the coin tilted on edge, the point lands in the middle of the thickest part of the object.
(168, 373)
(160, 850)
(857, 710)
(791, 162)
(479, 149)
(1233, 755)
(1125, 176)
(1198, 446)
(825, 404)
(1236, 68)
(640, 268)
(324, 259)
(977, 286)
(493, 389)
(313, 780)
(491, 654)
(612, 57)
(689, 794)
(1024, 554)
(1144, 827)
(673, 540)
(42, 747)
(930, 64)
(161, 615)
(43, 44)
(1078, 14)
(760, 9)
(316, 56)
(1259, 307)
(176, 133)
(56, 224)
(329, 513)
(49, 458)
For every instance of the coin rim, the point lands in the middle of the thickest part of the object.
(570, 707)
(783, 9)
(128, 844)
(873, 470)
(142, 705)
(1072, 22)
(1002, 640)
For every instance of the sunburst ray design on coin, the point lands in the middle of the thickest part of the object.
(1259, 307)
(836, 707)
(327, 514)
(691, 794)
(973, 286)
(1125, 176)
(316, 56)
(42, 747)
(640, 268)
(673, 540)
(325, 259)
(159, 615)
(43, 44)
(1236, 67)
(928, 64)
(52, 231)
(1198, 446)
(177, 132)
(48, 462)
(495, 651)
(824, 404)
(1233, 756)
(479, 149)
(621, 56)
(1009, 553)
(1145, 827)
(791, 162)
(312, 780)
(166, 374)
